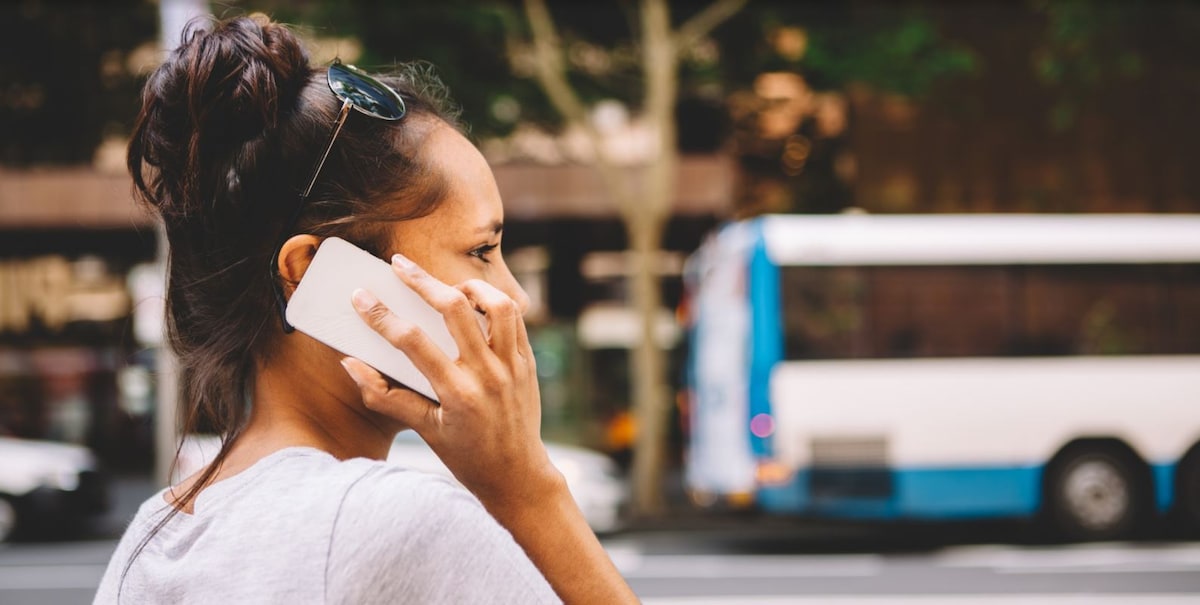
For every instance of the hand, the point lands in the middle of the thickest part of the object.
(487, 428)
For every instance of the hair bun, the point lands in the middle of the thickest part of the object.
(242, 75)
(228, 85)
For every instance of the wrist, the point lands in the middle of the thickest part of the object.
(530, 496)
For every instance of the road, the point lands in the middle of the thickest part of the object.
(760, 561)
(710, 567)
(688, 570)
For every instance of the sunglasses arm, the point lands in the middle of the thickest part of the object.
(333, 135)
(280, 299)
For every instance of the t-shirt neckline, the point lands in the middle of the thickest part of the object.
(216, 492)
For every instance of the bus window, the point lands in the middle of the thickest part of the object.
(824, 312)
(1112, 309)
(1182, 326)
(889, 312)
(940, 311)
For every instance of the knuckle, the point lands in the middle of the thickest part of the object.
(490, 298)
(402, 334)
(497, 376)
(464, 393)
(372, 399)
(372, 394)
(475, 285)
(504, 307)
(377, 314)
(457, 304)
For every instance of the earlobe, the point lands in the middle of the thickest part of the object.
(294, 257)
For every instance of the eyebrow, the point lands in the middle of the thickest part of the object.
(494, 228)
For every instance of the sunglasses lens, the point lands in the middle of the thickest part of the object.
(366, 93)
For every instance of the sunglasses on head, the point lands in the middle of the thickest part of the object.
(364, 93)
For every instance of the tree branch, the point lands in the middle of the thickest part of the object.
(550, 70)
(660, 67)
(551, 74)
(704, 21)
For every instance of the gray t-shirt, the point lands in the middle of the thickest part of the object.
(300, 526)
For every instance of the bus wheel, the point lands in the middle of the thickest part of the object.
(1093, 494)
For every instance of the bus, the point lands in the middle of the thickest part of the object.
(941, 367)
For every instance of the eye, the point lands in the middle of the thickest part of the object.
(482, 252)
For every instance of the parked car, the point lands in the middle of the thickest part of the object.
(591, 477)
(44, 483)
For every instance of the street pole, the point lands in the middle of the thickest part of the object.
(174, 16)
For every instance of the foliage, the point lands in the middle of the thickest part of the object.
(70, 80)
(84, 50)
(893, 48)
(1087, 45)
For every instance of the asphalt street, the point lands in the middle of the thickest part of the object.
(767, 562)
(994, 574)
(684, 568)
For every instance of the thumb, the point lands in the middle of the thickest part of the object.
(413, 409)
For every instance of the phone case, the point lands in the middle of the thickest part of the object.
(321, 307)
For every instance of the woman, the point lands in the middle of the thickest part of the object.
(252, 157)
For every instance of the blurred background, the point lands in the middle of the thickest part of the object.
(624, 136)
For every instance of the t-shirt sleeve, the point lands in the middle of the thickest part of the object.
(406, 537)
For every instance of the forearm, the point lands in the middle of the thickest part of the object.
(552, 530)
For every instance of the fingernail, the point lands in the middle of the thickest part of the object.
(350, 370)
(364, 300)
(402, 262)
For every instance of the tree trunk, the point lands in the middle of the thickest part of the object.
(648, 368)
(645, 222)
(645, 206)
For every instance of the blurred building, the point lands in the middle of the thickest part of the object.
(78, 322)
(80, 316)
(71, 368)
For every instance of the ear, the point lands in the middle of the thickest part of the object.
(294, 257)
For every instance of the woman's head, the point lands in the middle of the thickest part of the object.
(230, 129)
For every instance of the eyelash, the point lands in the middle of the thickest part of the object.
(482, 252)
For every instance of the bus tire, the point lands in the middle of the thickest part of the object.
(1095, 493)
(1187, 490)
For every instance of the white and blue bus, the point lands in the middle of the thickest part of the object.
(944, 367)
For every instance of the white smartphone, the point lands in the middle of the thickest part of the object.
(321, 307)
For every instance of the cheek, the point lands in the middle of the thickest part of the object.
(448, 263)
(448, 266)
(456, 271)
(413, 241)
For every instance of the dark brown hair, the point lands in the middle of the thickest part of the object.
(230, 125)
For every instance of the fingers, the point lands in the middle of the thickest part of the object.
(503, 318)
(410, 339)
(454, 306)
(407, 406)
(524, 347)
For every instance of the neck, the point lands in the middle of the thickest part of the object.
(297, 404)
